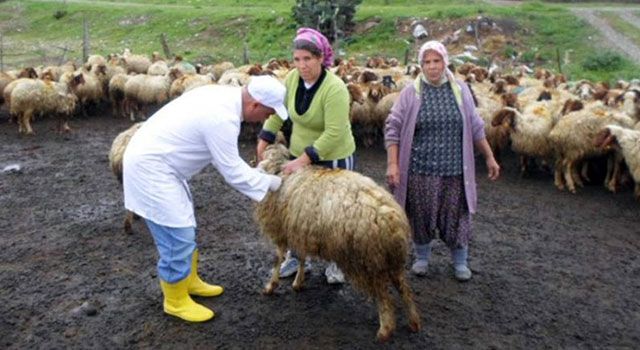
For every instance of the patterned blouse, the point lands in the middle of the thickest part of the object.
(437, 141)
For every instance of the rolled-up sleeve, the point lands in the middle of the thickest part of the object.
(477, 124)
(394, 122)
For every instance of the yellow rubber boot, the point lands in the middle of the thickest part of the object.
(196, 285)
(177, 302)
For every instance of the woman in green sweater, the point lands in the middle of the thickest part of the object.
(318, 104)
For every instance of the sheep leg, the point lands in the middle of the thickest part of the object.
(636, 191)
(577, 177)
(401, 285)
(386, 315)
(128, 222)
(26, 120)
(275, 274)
(584, 172)
(616, 159)
(607, 178)
(299, 280)
(568, 176)
(557, 175)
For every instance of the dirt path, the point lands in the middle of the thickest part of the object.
(551, 270)
(611, 38)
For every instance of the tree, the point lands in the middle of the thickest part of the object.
(333, 18)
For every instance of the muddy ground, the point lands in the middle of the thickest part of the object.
(551, 270)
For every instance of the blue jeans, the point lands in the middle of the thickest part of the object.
(175, 246)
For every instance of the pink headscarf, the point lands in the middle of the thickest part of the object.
(441, 50)
(320, 41)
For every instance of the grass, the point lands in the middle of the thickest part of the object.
(214, 30)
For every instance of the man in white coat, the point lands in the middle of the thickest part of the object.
(200, 127)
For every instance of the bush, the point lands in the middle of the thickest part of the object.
(333, 18)
(59, 14)
(604, 61)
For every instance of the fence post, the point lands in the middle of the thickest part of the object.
(85, 39)
(1, 54)
(245, 52)
(165, 46)
(558, 59)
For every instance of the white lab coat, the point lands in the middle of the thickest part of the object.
(199, 128)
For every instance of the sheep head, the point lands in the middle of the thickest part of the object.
(510, 100)
(571, 106)
(545, 95)
(505, 116)
(355, 93)
(511, 80)
(274, 157)
(631, 103)
(499, 86)
(605, 139)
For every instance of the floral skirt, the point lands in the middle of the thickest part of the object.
(438, 205)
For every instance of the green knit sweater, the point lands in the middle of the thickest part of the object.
(325, 125)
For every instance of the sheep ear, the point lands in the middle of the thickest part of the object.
(502, 115)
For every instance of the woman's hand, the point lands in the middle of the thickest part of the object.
(296, 164)
(393, 176)
(493, 169)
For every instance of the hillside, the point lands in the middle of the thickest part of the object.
(38, 32)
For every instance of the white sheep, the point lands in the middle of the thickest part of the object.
(116, 153)
(143, 90)
(341, 216)
(188, 82)
(572, 139)
(628, 142)
(33, 96)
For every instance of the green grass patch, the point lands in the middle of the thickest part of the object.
(209, 31)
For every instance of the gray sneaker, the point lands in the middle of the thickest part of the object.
(419, 267)
(289, 266)
(334, 274)
(462, 273)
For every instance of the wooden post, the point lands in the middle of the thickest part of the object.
(245, 52)
(558, 59)
(63, 59)
(85, 39)
(1, 54)
(406, 57)
(165, 46)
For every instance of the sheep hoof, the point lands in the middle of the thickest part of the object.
(414, 326)
(268, 290)
(383, 335)
(297, 287)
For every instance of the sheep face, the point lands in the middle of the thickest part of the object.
(605, 139)
(505, 117)
(631, 103)
(274, 158)
(571, 106)
(355, 93)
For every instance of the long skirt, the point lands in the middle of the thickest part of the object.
(438, 205)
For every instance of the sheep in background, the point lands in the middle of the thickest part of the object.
(34, 96)
(135, 63)
(188, 82)
(142, 90)
(220, 68)
(116, 153)
(8, 81)
(343, 217)
(116, 94)
(627, 141)
(234, 78)
(529, 131)
(572, 139)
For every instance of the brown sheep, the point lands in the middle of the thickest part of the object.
(343, 217)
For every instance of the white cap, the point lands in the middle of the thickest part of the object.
(270, 92)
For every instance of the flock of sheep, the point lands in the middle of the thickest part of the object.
(539, 116)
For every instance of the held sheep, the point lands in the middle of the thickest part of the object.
(116, 153)
(341, 216)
